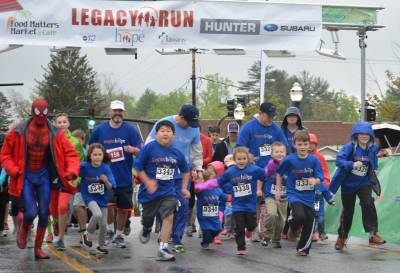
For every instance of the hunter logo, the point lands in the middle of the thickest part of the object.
(229, 26)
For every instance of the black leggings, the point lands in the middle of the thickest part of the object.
(243, 221)
(302, 217)
(368, 210)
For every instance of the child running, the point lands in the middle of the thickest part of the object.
(209, 202)
(160, 166)
(321, 193)
(96, 179)
(275, 214)
(303, 172)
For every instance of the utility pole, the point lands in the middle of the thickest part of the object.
(362, 35)
(194, 51)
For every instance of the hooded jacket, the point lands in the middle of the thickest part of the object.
(345, 159)
(291, 111)
(63, 158)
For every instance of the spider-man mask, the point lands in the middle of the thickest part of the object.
(39, 111)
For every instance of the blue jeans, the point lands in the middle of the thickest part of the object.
(320, 224)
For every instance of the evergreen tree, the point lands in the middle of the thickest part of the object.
(5, 111)
(69, 84)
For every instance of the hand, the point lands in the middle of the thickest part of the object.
(313, 181)
(186, 193)
(357, 165)
(103, 178)
(278, 196)
(259, 193)
(378, 198)
(333, 203)
(199, 175)
(195, 178)
(131, 149)
(151, 186)
(73, 183)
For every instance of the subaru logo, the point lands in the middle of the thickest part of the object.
(271, 27)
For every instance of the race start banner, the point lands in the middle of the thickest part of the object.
(163, 24)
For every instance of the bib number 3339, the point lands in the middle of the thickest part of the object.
(96, 188)
(164, 173)
(242, 190)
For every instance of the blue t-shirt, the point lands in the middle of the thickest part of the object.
(184, 137)
(259, 138)
(243, 185)
(298, 170)
(358, 178)
(290, 136)
(163, 164)
(92, 189)
(208, 202)
(270, 188)
(114, 140)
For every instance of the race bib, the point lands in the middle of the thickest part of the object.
(361, 171)
(273, 189)
(116, 154)
(165, 173)
(302, 185)
(242, 190)
(265, 150)
(210, 211)
(96, 188)
(316, 206)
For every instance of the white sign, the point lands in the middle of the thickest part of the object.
(163, 24)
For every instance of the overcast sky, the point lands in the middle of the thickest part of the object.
(164, 73)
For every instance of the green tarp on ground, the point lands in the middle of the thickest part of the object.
(388, 208)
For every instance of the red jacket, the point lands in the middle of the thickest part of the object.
(324, 165)
(13, 155)
(207, 149)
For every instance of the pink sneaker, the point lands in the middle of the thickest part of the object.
(241, 252)
(217, 240)
(248, 234)
(315, 236)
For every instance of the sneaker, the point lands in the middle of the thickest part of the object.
(241, 252)
(276, 245)
(266, 242)
(109, 236)
(315, 236)
(323, 237)
(255, 238)
(189, 231)
(178, 248)
(119, 242)
(85, 239)
(224, 232)
(194, 229)
(376, 239)
(4, 233)
(205, 245)
(127, 230)
(248, 234)
(340, 243)
(144, 235)
(49, 238)
(102, 249)
(5, 226)
(165, 255)
(217, 240)
(60, 245)
(301, 253)
(29, 242)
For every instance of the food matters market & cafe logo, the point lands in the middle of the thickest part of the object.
(23, 24)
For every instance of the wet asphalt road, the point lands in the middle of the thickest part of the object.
(357, 257)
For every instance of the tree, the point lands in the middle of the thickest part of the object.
(169, 104)
(389, 105)
(144, 103)
(20, 106)
(5, 111)
(212, 104)
(69, 84)
(347, 107)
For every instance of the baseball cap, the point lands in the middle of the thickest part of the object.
(233, 127)
(190, 114)
(268, 108)
(117, 104)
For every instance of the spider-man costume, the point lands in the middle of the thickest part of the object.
(34, 154)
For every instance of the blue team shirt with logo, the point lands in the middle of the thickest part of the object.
(208, 208)
(163, 164)
(114, 140)
(91, 188)
(243, 186)
(298, 170)
(259, 138)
